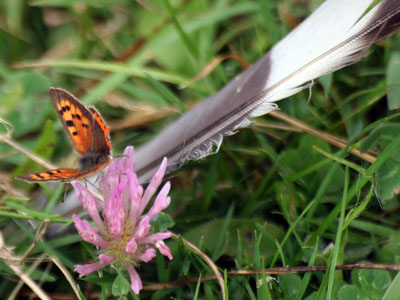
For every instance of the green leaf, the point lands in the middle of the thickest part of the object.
(290, 284)
(166, 93)
(390, 252)
(210, 233)
(32, 83)
(355, 252)
(163, 221)
(393, 292)
(326, 82)
(393, 80)
(312, 296)
(306, 278)
(338, 240)
(32, 110)
(388, 176)
(217, 251)
(182, 34)
(120, 286)
(113, 67)
(44, 148)
(352, 292)
(210, 182)
(373, 283)
(381, 136)
(69, 3)
(29, 213)
(304, 156)
(14, 14)
(10, 99)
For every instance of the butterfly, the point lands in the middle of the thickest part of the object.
(88, 134)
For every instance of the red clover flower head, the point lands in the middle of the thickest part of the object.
(122, 231)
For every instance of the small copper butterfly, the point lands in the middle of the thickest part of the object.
(87, 133)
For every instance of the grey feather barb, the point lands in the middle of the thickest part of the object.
(339, 33)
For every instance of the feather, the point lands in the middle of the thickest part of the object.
(336, 35)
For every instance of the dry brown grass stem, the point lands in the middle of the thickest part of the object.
(270, 271)
(28, 153)
(217, 275)
(13, 262)
(212, 65)
(334, 140)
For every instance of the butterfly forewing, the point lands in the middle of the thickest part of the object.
(77, 120)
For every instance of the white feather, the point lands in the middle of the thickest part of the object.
(334, 36)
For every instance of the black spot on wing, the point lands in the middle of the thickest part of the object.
(65, 108)
(70, 123)
(75, 133)
(85, 125)
(77, 116)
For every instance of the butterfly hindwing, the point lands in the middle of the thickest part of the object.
(51, 175)
(77, 120)
(101, 139)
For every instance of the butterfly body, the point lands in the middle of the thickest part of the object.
(88, 134)
(91, 160)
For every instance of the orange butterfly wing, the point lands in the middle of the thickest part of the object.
(77, 120)
(87, 133)
(51, 175)
(101, 133)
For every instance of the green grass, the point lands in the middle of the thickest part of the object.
(270, 197)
